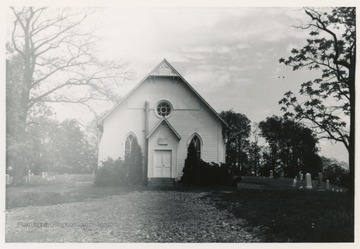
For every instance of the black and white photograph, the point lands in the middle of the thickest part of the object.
(179, 122)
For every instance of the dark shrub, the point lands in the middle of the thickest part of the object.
(201, 173)
(112, 173)
(134, 164)
(265, 169)
(312, 163)
(191, 162)
(337, 175)
(122, 172)
(207, 174)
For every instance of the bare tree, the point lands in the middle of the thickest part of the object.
(57, 65)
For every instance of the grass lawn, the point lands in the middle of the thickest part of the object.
(45, 195)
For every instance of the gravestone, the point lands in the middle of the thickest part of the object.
(271, 174)
(308, 181)
(320, 185)
(294, 182)
(327, 184)
(300, 176)
(7, 179)
(50, 178)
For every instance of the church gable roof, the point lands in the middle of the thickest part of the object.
(164, 120)
(164, 68)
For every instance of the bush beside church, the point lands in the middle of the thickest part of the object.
(198, 172)
(122, 172)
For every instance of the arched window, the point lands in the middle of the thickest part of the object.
(128, 144)
(195, 141)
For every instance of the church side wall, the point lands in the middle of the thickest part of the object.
(117, 127)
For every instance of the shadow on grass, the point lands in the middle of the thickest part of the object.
(291, 215)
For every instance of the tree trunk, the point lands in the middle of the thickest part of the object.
(20, 137)
(352, 129)
(19, 160)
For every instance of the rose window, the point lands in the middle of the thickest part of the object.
(164, 109)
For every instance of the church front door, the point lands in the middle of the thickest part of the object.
(162, 163)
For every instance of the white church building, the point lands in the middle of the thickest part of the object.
(164, 114)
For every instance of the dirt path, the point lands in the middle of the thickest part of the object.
(149, 216)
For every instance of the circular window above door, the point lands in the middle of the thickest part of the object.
(163, 109)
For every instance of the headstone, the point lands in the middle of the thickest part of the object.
(7, 179)
(327, 184)
(301, 176)
(271, 174)
(321, 185)
(308, 181)
(294, 182)
(43, 175)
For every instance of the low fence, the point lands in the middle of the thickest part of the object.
(52, 178)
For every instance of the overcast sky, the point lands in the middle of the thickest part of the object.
(229, 55)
